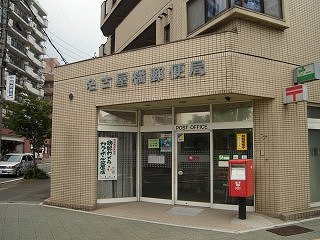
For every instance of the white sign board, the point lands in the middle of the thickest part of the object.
(156, 159)
(10, 87)
(107, 158)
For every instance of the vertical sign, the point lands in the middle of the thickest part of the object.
(11, 87)
(242, 142)
(107, 158)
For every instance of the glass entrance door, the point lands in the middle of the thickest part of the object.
(193, 167)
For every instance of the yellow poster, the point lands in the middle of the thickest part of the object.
(242, 142)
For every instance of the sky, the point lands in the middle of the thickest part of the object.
(74, 28)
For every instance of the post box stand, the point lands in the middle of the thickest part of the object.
(241, 182)
(242, 208)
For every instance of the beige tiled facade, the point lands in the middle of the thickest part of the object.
(248, 60)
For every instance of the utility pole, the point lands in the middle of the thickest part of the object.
(3, 43)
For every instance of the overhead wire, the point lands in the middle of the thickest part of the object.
(67, 49)
(56, 36)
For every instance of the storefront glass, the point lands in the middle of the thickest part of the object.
(225, 145)
(117, 118)
(314, 158)
(156, 117)
(125, 183)
(194, 114)
(156, 161)
(232, 112)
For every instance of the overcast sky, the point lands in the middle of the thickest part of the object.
(74, 28)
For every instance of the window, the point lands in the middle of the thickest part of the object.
(189, 115)
(201, 11)
(157, 117)
(125, 184)
(313, 112)
(117, 118)
(208, 8)
(167, 33)
(232, 112)
(269, 7)
(213, 7)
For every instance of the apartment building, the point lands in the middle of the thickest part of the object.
(23, 52)
(180, 88)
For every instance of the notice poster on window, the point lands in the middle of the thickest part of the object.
(153, 143)
(107, 158)
(156, 159)
(165, 143)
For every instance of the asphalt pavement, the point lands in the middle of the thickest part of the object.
(24, 217)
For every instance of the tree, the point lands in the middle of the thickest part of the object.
(31, 118)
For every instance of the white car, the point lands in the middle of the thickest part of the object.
(15, 163)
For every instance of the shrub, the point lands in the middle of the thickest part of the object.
(35, 173)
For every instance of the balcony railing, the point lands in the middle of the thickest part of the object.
(19, 14)
(29, 86)
(39, 48)
(37, 32)
(14, 29)
(34, 59)
(33, 75)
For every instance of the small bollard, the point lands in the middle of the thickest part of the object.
(242, 208)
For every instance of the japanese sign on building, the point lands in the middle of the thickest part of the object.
(11, 87)
(295, 94)
(307, 73)
(242, 142)
(107, 158)
(141, 76)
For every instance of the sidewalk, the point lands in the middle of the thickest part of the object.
(191, 217)
(27, 221)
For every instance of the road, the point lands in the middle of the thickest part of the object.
(44, 166)
(14, 189)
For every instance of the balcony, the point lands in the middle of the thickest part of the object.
(29, 86)
(33, 75)
(117, 13)
(37, 8)
(41, 20)
(16, 47)
(19, 15)
(34, 59)
(14, 64)
(16, 31)
(39, 48)
(37, 33)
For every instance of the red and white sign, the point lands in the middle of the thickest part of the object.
(295, 94)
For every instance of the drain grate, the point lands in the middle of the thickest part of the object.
(289, 230)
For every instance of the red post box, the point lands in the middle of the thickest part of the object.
(241, 178)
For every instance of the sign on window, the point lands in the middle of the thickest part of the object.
(107, 158)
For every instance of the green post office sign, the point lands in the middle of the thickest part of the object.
(307, 73)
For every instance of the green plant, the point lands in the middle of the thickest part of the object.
(35, 173)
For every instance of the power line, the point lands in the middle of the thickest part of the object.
(56, 36)
(44, 32)
(67, 49)
(64, 53)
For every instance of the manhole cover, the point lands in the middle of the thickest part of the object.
(289, 230)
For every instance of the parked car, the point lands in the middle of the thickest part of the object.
(15, 163)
